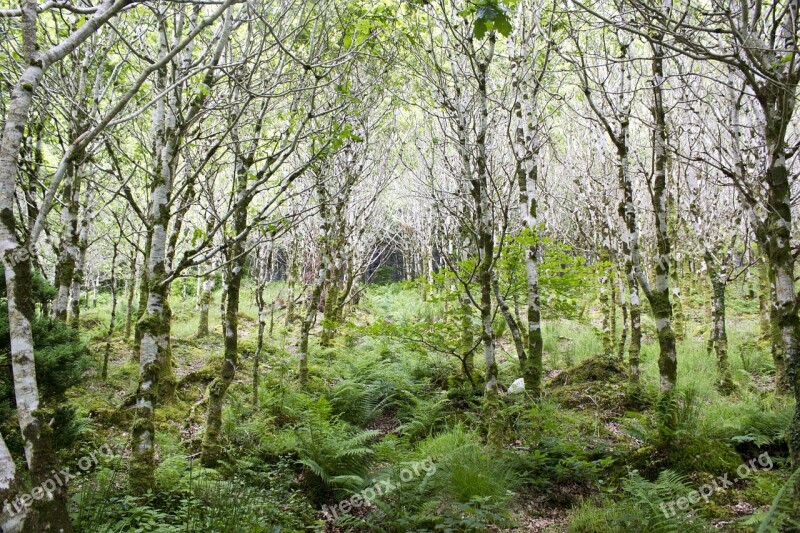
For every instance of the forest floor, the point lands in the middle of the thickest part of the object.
(382, 411)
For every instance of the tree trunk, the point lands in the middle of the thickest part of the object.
(329, 311)
(68, 244)
(211, 449)
(778, 249)
(237, 257)
(606, 306)
(516, 335)
(261, 280)
(630, 250)
(131, 292)
(153, 328)
(624, 308)
(485, 242)
(104, 373)
(95, 289)
(144, 290)
(526, 155)
(49, 513)
(13, 514)
(79, 275)
(205, 304)
(467, 338)
(659, 295)
(719, 335)
(308, 322)
(679, 319)
(223, 299)
(291, 279)
(764, 297)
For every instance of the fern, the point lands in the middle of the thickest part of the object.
(333, 451)
(649, 497)
(421, 417)
(783, 511)
(360, 403)
(765, 428)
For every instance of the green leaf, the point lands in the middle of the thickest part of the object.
(503, 25)
(479, 31)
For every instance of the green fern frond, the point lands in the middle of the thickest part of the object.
(782, 512)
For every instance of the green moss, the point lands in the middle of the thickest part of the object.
(611, 396)
(703, 455)
(598, 368)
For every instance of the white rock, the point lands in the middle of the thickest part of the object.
(517, 387)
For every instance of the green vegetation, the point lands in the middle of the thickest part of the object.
(581, 459)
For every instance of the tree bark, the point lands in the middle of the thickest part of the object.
(104, 373)
(467, 337)
(68, 244)
(764, 297)
(624, 308)
(153, 328)
(781, 261)
(513, 326)
(49, 513)
(308, 322)
(485, 239)
(606, 305)
(291, 280)
(264, 275)
(131, 292)
(659, 294)
(79, 274)
(211, 450)
(205, 303)
(719, 335)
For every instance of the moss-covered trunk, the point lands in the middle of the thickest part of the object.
(308, 322)
(525, 150)
(205, 304)
(112, 320)
(484, 231)
(467, 334)
(153, 326)
(606, 302)
(719, 334)
(79, 274)
(131, 292)
(68, 243)
(211, 451)
(623, 338)
(764, 297)
(785, 323)
(144, 290)
(659, 295)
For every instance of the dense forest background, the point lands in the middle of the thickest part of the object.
(399, 265)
